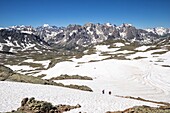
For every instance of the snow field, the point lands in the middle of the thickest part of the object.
(145, 78)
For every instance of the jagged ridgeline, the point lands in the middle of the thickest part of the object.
(73, 37)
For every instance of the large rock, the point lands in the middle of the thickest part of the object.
(30, 105)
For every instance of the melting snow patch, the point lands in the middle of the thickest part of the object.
(147, 54)
(142, 48)
(104, 48)
(28, 46)
(119, 44)
(17, 68)
(27, 32)
(87, 58)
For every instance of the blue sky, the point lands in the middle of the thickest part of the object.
(140, 13)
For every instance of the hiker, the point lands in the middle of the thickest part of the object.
(110, 92)
(102, 91)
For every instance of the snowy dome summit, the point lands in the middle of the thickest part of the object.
(46, 25)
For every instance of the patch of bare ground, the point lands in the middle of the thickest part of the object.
(136, 58)
(164, 108)
(62, 77)
(165, 65)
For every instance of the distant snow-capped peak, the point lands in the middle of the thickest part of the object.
(126, 25)
(159, 30)
(91, 33)
(46, 25)
(109, 24)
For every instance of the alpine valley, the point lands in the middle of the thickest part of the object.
(95, 68)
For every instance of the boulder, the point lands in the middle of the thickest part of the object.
(30, 105)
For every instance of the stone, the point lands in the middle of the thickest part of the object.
(78, 106)
(34, 106)
(24, 101)
(51, 111)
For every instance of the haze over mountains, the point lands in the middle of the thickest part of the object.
(74, 36)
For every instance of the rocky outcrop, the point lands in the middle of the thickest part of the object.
(144, 109)
(164, 107)
(5, 72)
(30, 105)
(65, 76)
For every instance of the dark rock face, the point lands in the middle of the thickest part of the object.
(11, 40)
(90, 34)
(30, 105)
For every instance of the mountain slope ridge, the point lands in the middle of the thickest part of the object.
(75, 36)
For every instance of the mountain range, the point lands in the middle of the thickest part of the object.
(20, 38)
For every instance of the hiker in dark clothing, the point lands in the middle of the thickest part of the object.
(102, 91)
(110, 92)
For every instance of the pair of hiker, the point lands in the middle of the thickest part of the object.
(103, 91)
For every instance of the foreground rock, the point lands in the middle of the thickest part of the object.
(164, 108)
(30, 105)
(145, 109)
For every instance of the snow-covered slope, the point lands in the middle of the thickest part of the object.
(12, 93)
(135, 78)
(146, 78)
(14, 40)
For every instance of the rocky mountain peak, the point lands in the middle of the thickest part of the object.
(83, 35)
